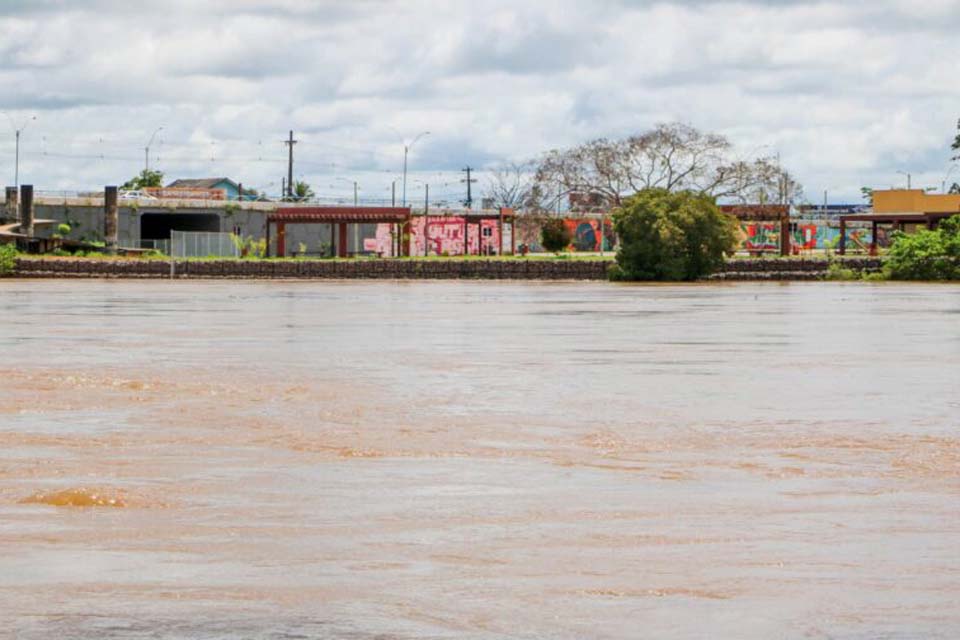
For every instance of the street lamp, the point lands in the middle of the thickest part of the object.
(904, 173)
(146, 154)
(943, 183)
(18, 131)
(406, 150)
(354, 182)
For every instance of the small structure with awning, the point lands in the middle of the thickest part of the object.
(899, 221)
(338, 218)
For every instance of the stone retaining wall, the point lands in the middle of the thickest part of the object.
(315, 269)
(793, 269)
(534, 269)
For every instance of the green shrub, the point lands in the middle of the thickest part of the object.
(8, 259)
(672, 236)
(63, 229)
(926, 255)
(837, 271)
(554, 235)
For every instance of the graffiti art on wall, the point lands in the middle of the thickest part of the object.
(765, 236)
(446, 236)
(586, 235)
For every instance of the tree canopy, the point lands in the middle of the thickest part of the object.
(956, 142)
(674, 157)
(668, 235)
(302, 190)
(554, 235)
(145, 178)
(512, 185)
(925, 254)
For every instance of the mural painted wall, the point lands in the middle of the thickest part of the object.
(445, 236)
(765, 236)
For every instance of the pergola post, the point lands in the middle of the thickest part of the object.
(513, 235)
(784, 235)
(342, 240)
(267, 250)
(842, 249)
(500, 233)
(466, 236)
(873, 238)
(281, 240)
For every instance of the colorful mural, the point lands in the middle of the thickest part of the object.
(586, 234)
(807, 236)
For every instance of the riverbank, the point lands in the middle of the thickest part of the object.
(408, 269)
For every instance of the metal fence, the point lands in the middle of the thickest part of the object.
(200, 244)
(163, 246)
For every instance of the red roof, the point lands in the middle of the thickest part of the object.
(340, 214)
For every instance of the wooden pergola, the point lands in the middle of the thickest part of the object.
(764, 213)
(338, 218)
(898, 220)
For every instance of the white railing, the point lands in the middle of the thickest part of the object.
(202, 244)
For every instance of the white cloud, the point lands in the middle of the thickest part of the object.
(848, 92)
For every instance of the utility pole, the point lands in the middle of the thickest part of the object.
(469, 201)
(17, 131)
(354, 193)
(393, 193)
(290, 142)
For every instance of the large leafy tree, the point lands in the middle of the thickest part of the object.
(674, 157)
(145, 178)
(667, 235)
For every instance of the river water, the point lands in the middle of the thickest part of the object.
(478, 460)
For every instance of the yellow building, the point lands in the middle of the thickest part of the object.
(914, 201)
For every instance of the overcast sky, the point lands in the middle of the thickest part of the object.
(849, 93)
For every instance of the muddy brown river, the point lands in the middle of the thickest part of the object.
(478, 460)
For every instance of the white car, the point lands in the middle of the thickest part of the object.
(135, 195)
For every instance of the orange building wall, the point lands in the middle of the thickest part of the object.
(914, 201)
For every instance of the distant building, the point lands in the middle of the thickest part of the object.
(230, 189)
(914, 201)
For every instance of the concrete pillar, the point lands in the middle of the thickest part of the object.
(26, 209)
(12, 205)
(110, 219)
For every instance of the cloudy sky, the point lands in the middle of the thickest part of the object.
(848, 93)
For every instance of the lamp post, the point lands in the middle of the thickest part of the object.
(904, 173)
(17, 131)
(946, 176)
(355, 188)
(406, 150)
(146, 151)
